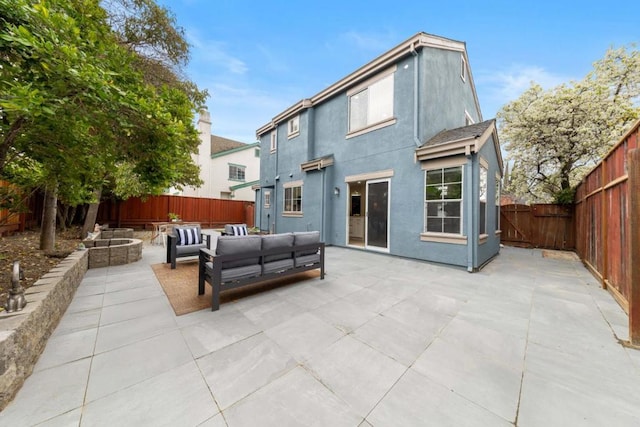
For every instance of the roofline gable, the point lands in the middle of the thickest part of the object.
(379, 64)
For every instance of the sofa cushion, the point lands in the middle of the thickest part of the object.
(187, 235)
(237, 245)
(307, 260)
(237, 273)
(276, 266)
(277, 241)
(306, 238)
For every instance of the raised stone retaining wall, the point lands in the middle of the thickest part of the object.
(24, 334)
(106, 252)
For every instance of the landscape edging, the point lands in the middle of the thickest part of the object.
(24, 334)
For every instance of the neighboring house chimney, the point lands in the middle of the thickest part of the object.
(203, 158)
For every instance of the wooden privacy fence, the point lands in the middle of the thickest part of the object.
(210, 213)
(538, 226)
(10, 222)
(607, 222)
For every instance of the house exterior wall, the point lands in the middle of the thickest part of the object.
(442, 98)
(202, 159)
(214, 168)
(221, 185)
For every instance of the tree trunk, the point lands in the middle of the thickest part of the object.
(92, 213)
(61, 215)
(48, 231)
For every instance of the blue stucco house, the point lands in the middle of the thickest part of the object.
(394, 158)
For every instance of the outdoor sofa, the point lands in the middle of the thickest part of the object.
(242, 260)
(186, 242)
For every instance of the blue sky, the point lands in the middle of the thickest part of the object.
(257, 58)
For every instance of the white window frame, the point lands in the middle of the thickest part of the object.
(267, 199)
(483, 181)
(463, 68)
(366, 90)
(291, 196)
(274, 140)
(425, 232)
(293, 127)
(257, 152)
(238, 169)
(498, 193)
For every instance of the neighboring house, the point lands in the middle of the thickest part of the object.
(228, 168)
(394, 158)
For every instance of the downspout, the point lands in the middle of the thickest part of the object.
(416, 140)
(471, 219)
(276, 178)
(324, 195)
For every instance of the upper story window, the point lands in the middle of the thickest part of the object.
(257, 152)
(236, 172)
(463, 68)
(443, 200)
(468, 120)
(293, 198)
(371, 103)
(293, 127)
(274, 140)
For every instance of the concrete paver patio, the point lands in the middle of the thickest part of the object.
(382, 341)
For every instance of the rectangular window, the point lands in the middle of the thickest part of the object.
(274, 141)
(257, 152)
(463, 68)
(443, 200)
(497, 202)
(483, 200)
(293, 127)
(267, 199)
(372, 104)
(236, 172)
(293, 199)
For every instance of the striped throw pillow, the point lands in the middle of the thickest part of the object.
(188, 236)
(240, 230)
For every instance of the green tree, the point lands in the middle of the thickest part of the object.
(554, 137)
(75, 105)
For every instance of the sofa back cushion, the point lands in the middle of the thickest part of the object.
(273, 241)
(306, 238)
(188, 235)
(236, 245)
(236, 230)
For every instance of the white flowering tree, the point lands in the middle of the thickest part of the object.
(553, 137)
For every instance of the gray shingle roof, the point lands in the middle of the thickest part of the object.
(220, 144)
(465, 132)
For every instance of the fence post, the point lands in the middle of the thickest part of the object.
(634, 247)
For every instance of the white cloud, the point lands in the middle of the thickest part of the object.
(377, 42)
(214, 53)
(496, 88)
(511, 83)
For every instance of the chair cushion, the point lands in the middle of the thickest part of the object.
(187, 235)
(236, 230)
(189, 250)
(235, 245)
(277, 241)
(306, 238)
